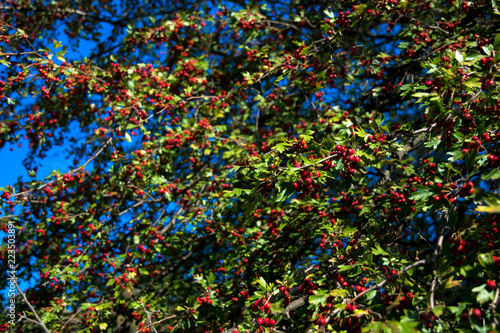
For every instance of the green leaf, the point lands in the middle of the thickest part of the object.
(488, 49)
(478, 327)
(491, 200)
(432, 143)
(361, 133)
(484, 296)
(4, 62)
(379, 251)
(127, 137)
(470, 159)
(343, 268)
(262, 283)
(103, 306)
(371, 294)
(60, 55)
(493, 174)
(486, 260)
(496, 43)
(473, 83)
(339, 293)
(236, 192)
(365, 210)
(423, 192)
(347, 231)
(103, 326)
(420, 94)
(453, 219)
(318, 297)
(210, 278)
(285, 193)
(377, 327)
(158, 180)
(488, 209)
(329, 14)
(409, 326)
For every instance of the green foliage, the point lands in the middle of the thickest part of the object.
(255, 166)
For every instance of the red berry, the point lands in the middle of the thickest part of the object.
(476, 313)
(321, 321)
(491, 284)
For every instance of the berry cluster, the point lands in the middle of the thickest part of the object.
(306, 185)
(307, 287)
(466, 189)
(261, 305)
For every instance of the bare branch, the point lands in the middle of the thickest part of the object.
(69, 172)
(148, 314)
(383, 283)
(435, 256)
(38, 320)
(494, 306)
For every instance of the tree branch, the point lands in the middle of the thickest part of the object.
(435, 256)
(383, 283)
(494, 306)
(38, 320)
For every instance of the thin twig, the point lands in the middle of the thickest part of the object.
(159, 321)
(148, 314)
(28, 319)
(39, 321)
(383, 283)
(319, 162)
(69, 172)
(71, 318)
(494, 306)
(15, 54)
(435, 256)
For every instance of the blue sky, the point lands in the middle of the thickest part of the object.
(12, 155)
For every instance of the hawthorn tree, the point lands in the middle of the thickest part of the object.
(254, 166)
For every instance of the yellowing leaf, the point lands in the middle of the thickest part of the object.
(488, 209)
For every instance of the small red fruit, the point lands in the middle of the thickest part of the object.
(491, 284)
(476, 313)
(321, 321)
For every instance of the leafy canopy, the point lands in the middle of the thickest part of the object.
(272, 166)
